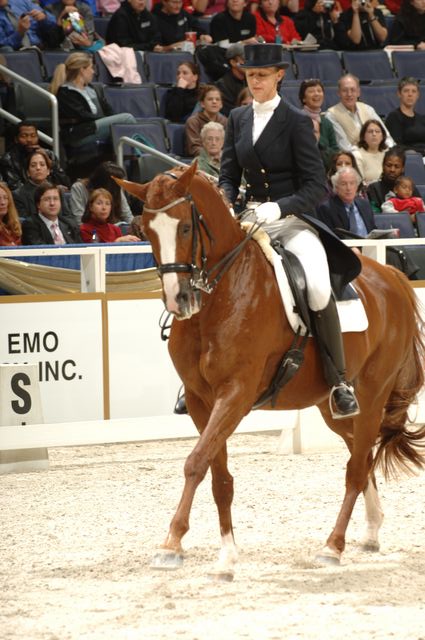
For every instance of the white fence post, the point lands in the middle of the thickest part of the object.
(20, 405)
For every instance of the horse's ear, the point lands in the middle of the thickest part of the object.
(183, 183)
(138, 190)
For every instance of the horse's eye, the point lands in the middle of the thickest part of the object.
(185, 229)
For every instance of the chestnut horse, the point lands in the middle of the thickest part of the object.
(231, 335)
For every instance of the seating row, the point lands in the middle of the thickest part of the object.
(160, 68)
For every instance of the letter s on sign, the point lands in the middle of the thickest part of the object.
(25, 405)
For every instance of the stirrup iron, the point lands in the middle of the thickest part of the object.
(333, 407)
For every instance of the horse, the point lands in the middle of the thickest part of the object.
(228, 334)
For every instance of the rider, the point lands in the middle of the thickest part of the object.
(272, 145)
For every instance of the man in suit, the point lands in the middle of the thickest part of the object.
(274, 147)
(46, 227)
(344, 209)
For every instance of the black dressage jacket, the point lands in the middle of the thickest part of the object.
(283, 166)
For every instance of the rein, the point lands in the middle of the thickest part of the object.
(200, 276)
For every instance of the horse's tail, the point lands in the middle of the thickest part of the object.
(401, 447)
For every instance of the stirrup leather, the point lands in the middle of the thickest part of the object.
(332, 404)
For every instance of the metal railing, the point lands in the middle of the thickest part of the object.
(53, 140)
(143, 147)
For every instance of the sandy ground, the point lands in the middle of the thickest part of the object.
(76, 542)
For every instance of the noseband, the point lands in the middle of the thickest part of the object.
(199, 279)
(199, 275)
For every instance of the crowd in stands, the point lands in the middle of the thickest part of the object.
(363, 153)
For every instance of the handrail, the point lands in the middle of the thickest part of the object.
(54, 139)
(143, 147)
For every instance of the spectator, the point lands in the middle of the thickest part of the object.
(392, 168)
(345, 209)
(234, 24)
(312, 95)
(212, 140)
(38, 167)
(409, 24)
(338, 161)
(13, 29)
(42, 30)
(173, 23)
(403, 199)
(76, 20)
(348, 115)
(274, 27)
(101, 178)
(12, 163)
(320, 18)
(47, 226)
(97, 219)
(233, 80)
(211, 103)
(132, 25)
(181, 99)
(10, 226)
(371, 150)
(363, 27)
(406, 126)
(244, 98)
(85, 116)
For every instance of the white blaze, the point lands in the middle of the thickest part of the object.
(166, 229)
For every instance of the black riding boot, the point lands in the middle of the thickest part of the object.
(342, 400)
(180, 406)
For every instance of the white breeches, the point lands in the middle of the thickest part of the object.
(301, 239)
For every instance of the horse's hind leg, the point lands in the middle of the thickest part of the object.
(222, 488)
(356, 481)
(374, 516)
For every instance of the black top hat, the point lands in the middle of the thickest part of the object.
(264, 55)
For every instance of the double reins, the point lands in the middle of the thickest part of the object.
(200, 275)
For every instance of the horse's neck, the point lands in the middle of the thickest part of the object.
(225, 231)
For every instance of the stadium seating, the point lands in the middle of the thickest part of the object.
(368, 65)
(399, 221)
(162, 67)
(414, 167)
(325, 65)
(382, 97)
(138, 100)
(409, 63)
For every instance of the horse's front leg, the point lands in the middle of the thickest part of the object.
(374, 516)
(229, 408)
(222, 488)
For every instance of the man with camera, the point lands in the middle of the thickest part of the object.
(363, 27)
(320, 18)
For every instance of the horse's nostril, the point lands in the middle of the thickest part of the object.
(182, 298)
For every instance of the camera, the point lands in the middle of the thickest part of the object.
(328, 5)
(363, 3)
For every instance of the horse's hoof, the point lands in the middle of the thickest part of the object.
(328, 557)
(370, 546)
(166, 560)
(221, 576)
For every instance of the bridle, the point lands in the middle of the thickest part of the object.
(199, 275)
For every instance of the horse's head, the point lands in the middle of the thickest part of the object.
(172, 225)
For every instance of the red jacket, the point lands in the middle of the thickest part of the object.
(94, 231)
(286, 29)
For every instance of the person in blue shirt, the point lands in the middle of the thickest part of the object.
(42, 30)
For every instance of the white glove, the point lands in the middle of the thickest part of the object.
(267, 212)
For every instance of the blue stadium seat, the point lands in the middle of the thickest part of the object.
(162, 67)
(101, 24)
(399, 221)
(368, 65)
(331, 96)
(289, 92)
(325, 65)
(150, 133)
(51, 59)
(26, 63)
(414, 167)
(382, 97)
(420, 223)
(138, 100)
(409, 63)
(176, 137)
(160, 97)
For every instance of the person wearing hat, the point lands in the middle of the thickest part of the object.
(273, 146)
(233, 81)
